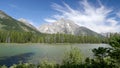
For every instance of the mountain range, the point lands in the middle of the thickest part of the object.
(8, 23)
(63, 26)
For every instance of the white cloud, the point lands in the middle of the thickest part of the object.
(118, 14)
(13, 6)
(49, 20)
(90, 16)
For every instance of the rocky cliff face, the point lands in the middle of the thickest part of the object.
(66, 27)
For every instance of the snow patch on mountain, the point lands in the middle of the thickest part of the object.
(60, 26)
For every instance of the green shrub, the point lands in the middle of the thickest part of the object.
(47, 64)
(72, 57)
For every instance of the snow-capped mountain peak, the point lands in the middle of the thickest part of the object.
(60, 26)
(66, 26)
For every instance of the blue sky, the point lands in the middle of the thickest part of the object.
(33, 10)
(40, 11)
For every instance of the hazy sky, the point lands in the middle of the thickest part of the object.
(98, 15)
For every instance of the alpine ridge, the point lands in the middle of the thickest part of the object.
(66, 26)
(7, 23)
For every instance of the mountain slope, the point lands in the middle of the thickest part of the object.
(27, 23)
(8, 23)
(66, 27)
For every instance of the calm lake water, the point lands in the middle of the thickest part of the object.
(13, 53)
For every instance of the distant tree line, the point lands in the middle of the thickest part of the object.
(29, 37)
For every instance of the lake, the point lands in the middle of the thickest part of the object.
(35, 52)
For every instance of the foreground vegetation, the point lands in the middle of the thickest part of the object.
(103, 58)
(29, 37)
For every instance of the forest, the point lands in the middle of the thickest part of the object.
(29, 37)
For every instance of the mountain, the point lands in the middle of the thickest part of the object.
(66, 27)
(27, 23)
(107, 34)
(8, 23)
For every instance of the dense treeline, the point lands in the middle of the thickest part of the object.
(29, 37)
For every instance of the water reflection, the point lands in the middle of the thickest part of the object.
(8, 61)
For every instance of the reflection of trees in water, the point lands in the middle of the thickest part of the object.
(8, 61)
